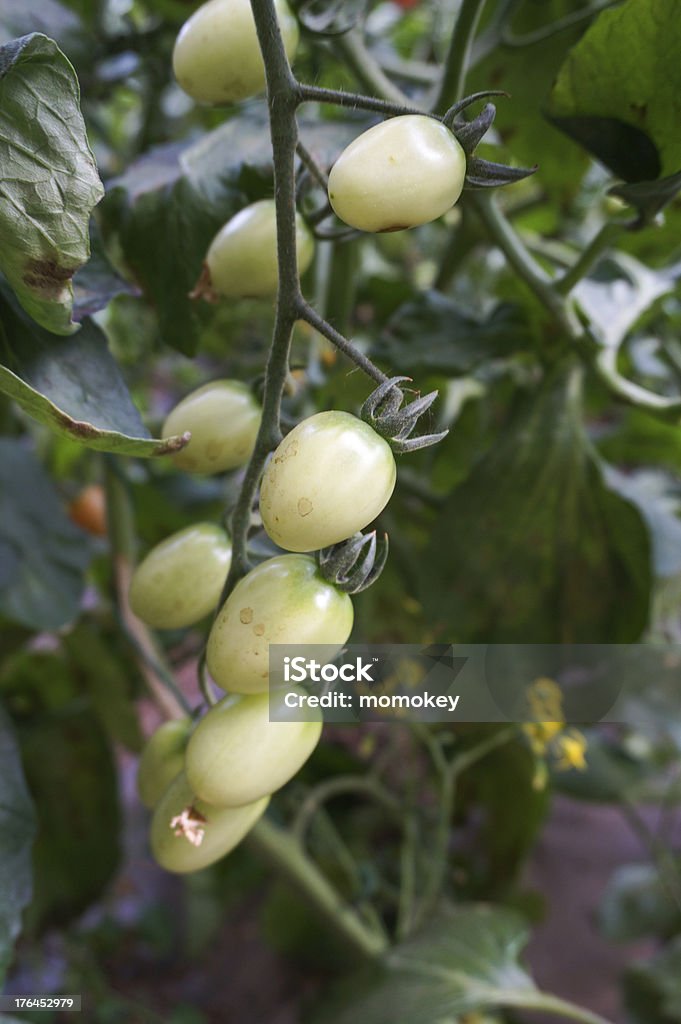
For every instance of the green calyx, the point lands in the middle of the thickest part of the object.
(353, 565)
(385, 412)
(481, 173)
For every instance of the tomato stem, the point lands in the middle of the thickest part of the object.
(287, 857)
(458, 58)
(122, 538)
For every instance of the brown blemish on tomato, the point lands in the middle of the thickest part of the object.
(305, 506)
(246, 616)
(289, 452)
(259, 629)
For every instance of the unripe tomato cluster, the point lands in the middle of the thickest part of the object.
(328, 478)
(332, 475)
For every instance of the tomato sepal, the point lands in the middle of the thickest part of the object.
(355, 564)
(384, 411)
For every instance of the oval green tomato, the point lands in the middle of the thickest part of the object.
(403, 172)
(181, 579)
(282, 601)
(328, 478)
(217, 58)
(180, 818)
(237, 755)
(162, 760)
(242, 258)
(223, 418)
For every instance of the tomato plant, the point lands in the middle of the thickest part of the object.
(339, 508)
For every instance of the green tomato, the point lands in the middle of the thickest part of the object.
(223, 418)
(242, 258)
(162, 760)
(219, 829)
(217, 57)
(328, 478)
(282, 601)
(238, 755)
(403, 172)
(181, 579)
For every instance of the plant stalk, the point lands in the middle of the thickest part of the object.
(286, 856)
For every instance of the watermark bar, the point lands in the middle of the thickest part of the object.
(495, 683)
(17, 1004)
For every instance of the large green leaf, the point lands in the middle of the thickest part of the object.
(44, 553)
(619, 91)
(72, 776)
(17, 829)
(71, 385)
(534, 547)
(466, 962)
(48, 183)
(170, 204)
(433, 334)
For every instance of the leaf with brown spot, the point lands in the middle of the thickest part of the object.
(48, 183)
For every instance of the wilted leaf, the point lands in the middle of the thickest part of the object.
(17, 830)
(53, 185)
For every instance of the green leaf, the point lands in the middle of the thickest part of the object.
(49, 183)
(72, 777)
(165, 236)
(433, 334)
(17, 830)
(533, 547)
(44, 588)
(466, 962)
(649, 197)
(97, 283)
(620, 89)
(168, 207)
(502, 785)
(109, 681)
(653, 990)
(71, 385)
(636, 905)
(527, 72)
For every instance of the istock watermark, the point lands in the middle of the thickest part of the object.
(580, 684)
